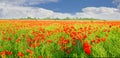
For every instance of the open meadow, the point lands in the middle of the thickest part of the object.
(59, 38)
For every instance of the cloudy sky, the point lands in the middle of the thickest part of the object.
(101, 9)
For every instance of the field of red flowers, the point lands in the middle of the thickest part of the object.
(59, 39)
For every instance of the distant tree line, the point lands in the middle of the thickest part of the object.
(48, 18)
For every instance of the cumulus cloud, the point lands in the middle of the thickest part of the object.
(15, 9)
(99, 12)
(10, 11)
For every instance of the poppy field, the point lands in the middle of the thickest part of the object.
(59, 39)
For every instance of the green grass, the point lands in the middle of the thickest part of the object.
(109, 48)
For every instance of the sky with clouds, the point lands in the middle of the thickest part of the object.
(101, 9)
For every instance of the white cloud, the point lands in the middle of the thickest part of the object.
(99, 12)
(9, 11)
(13, 9)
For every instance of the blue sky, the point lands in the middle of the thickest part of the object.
(73, 6)
(99, 9)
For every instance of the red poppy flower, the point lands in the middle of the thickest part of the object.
(2, 53)
(20, 54)
(103, 39)
(87, 48)
(18, 40)
(9, 39)
(40, 57)
(93, 42)
(29, 51)
(74, 43)
(8, 52)
(68, 51)
(84, 36)
(49, 41)
(97, 40)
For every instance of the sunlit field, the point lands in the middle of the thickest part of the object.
(59, 39)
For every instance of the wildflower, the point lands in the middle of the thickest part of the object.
(108, 30)
(8, 52)
(29, 51)
(93, 42)
(3, 54)
(97, 40)
(74, 43)
(103, 39)
(18, 40)
(68, 51)
(89, 32)
(40, 57)
(84, 36)
(106, 35)
(87, 48)
(9, 39)
(74, 32)
(20, 54)
(63, 48)
(49, 41)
